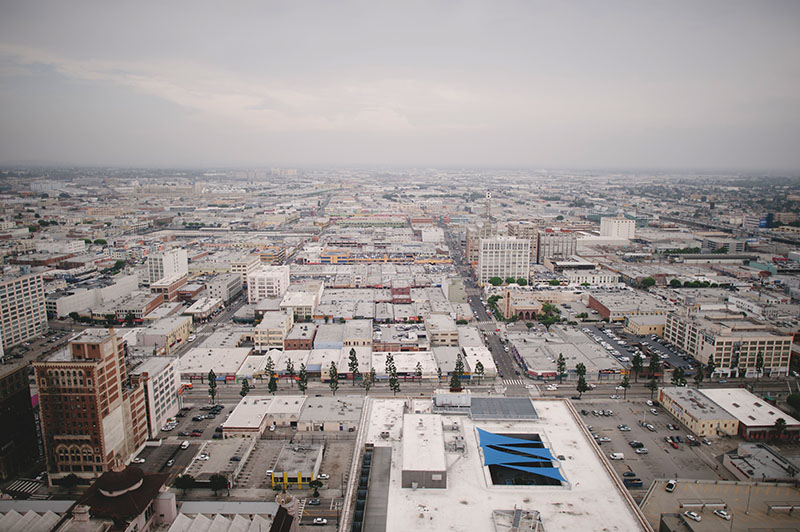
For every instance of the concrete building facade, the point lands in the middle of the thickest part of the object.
(23, 314)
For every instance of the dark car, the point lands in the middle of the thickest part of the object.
(184, 433)
(180, 414)
(198, 418)
(629, 474)
(216, 436)
(235, 458)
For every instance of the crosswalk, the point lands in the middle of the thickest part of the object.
(513, 382)
(23, 487)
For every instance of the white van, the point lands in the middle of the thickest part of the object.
(185, 444)
(616, 456)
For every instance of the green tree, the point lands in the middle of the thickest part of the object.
(290, 370)
(495, 281)
(479, 371)
(394, 382)
(580, 370)
(100, 242)
(366, 382)
(510, 280)
(245, 388)
(582, 387)
(352, 365)
(529, 324)
(675, 283)
(418, 372)
(269, 367)
(212, 385)
(302, 378)
(74, 316)
(70, 481)
(439, 374)
(372, 377)
(522, 281)
(184, 482)
(217, 482)
(652, 386)
(272, 385)
(554, 282)
(655, 365)
(561, 367)
(647, 282)
(129, 319)
(315, 485)
(759, 364)
(780, 426)
(626, 383)
(333, 378)
(455, 376)
(698, 377)
(678, 377)
(710, 367)
(389, 363)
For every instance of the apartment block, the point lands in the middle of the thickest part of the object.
(22, 309)
(735, 343)
(503, 257)
(267, 282)
(91, 413)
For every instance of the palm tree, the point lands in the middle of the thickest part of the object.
(780, 426)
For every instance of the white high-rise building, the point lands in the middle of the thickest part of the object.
(167, 264)
(503, 257)
(22, 309)
(267, 282)
(619, 227)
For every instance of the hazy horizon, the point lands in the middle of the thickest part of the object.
(677, 86)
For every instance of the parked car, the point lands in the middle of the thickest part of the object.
(636, 444)
(671, 485)
(185, 445)
(642, 450)
(616, 456)
(323, 476)
(320, 521)
(706, 441)
(312, 502)
(139, 460)
(694, 516)
(723, 514)
(628, 474)
(170, 462)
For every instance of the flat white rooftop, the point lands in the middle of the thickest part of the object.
(749, 409)
(590, 499)
(423, 443)
(248, 414)
(223, 360)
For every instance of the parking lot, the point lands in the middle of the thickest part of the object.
(186, 425)
(661, 461)
(263, 457)
(156, 458)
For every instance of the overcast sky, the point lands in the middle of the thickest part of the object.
(494, 83)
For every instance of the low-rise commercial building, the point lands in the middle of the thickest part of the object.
(272, 331)
(616, 306)
(756, 418)
(168, 287)
(227, 287)
(165, 334)
(700, 414)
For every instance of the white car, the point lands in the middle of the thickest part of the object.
(323, 476)
(320, 521)
(139, 460)
(694, 516)
(723, 514)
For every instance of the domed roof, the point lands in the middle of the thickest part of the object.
(114, 483)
